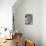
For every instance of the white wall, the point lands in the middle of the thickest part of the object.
(43, 22)
(29, 31)
(6, 13)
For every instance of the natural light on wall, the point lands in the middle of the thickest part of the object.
(6, 18)
(6, 13)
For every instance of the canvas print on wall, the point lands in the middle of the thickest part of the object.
(28, 19)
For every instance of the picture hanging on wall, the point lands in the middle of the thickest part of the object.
(28, 19)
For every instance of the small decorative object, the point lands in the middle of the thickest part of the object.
(28, 19)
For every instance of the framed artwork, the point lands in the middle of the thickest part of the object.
(28, 19)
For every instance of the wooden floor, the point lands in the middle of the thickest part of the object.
(9, 43)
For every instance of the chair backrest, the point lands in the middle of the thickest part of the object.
(18, 37)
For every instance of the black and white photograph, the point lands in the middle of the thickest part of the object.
(28, 19)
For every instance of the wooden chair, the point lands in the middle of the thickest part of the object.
(18, 39)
